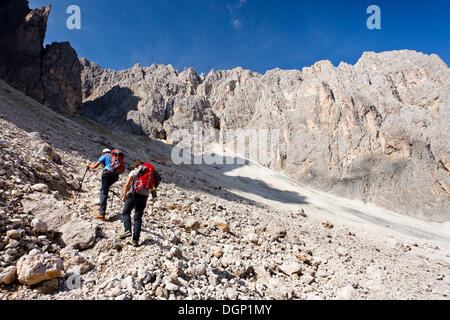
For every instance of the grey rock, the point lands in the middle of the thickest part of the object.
(34, 135)
(359, 131)
(144, 276)
(39, 226)
(79, 234)
(34, 252)
(171, 286)
(175, 267)
(68, 252)
(228, 260)
(346, 293)
(116, 292)
(191, 225)
(40, 187)
(291, 267)
(131, 284)
(140, 91)
(77, 264)
(47, 151)
(176, 220)
(46, 208)
(200, 270)
(276, 231)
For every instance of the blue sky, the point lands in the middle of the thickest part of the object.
(254, 34)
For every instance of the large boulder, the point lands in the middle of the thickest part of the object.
(46, 208)
(79, 234)
(37, 267)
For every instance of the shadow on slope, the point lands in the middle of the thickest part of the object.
(112, 109)
(214, 176)
(78, 135)
(65, 132)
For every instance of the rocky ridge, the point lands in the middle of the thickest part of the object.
(200, 241)
(376, 131)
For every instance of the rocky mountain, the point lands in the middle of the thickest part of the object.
(206, 236)
(51, 75)
(376, 131)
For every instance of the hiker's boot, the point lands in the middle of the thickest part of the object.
(101, 217)
(125, 235)
(135, 244)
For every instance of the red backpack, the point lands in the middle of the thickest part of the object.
(144, 180)
(117, 163)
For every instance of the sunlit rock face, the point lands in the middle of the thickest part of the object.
(377, 131)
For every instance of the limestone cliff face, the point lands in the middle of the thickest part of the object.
(155, 101)
(376, 131)
(50, 75)
(61, 77)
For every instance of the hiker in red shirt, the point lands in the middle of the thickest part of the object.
(142, 182)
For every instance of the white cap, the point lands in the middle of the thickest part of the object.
(106, 151)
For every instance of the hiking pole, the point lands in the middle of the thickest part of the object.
(81, 184)
(82, 179)
(112, 199)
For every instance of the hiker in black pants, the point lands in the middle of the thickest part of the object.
(108, 179)
(139, 186)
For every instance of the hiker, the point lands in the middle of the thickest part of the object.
(142, 182)
(113, 166)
